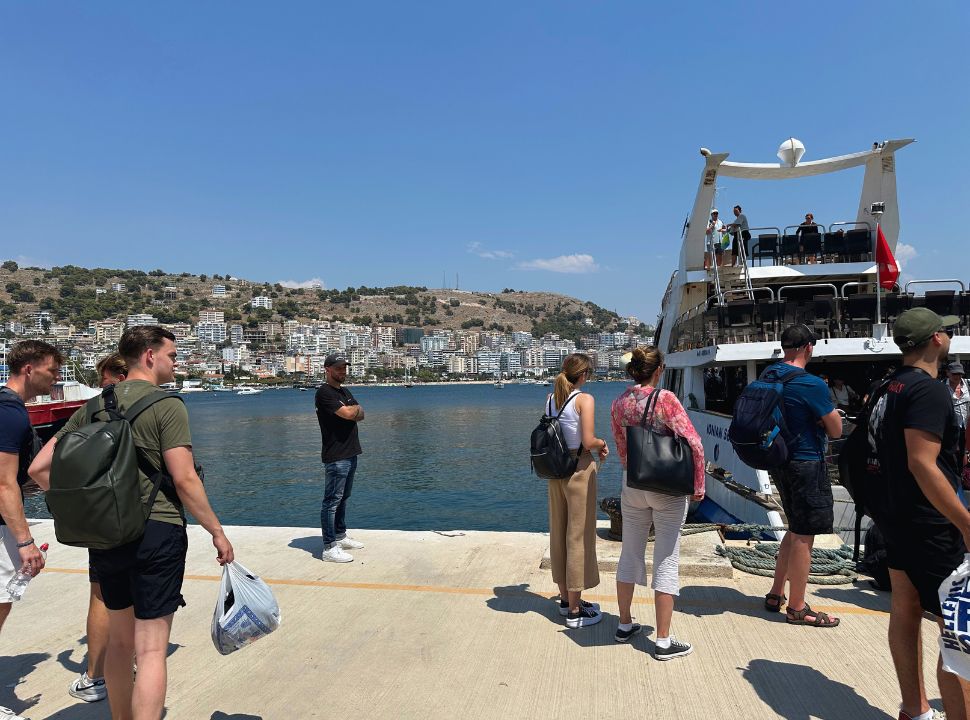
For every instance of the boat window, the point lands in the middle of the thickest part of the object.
(674, 381)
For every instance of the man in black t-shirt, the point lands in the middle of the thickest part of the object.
(338, 414)
(914, 431)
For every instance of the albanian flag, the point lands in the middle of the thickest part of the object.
(888, 269)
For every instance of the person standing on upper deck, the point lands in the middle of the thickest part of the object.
(338, 413)
(739, 230)
(714, 229)
(959, 391)
(803, 482)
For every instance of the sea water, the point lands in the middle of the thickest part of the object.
(442, 457)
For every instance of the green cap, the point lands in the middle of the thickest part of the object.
(917, 325)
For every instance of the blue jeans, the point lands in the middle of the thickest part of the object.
(340, 481)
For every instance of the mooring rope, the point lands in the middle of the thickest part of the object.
(829, 567)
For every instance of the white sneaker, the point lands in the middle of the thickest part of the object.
(8, 714)
(348, 543)
(88, 689)
(333, 554)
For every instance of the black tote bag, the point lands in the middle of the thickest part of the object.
(656, 462)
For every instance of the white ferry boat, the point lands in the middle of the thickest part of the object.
(719, 325)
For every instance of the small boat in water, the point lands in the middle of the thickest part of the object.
(249, 390)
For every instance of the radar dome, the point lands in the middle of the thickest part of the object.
(791, 151)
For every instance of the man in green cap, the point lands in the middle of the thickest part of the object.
(915, 434)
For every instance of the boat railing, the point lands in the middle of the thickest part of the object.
(806, 286)
(854, 284)
(948, 281)
(743, 291)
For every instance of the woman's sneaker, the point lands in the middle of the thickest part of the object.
(88, 689)
(584, 617)
(676, 649)
(348, 543)
(625, 635)
(8, 714)
(564, 606)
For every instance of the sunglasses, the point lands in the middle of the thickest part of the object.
(947, 330)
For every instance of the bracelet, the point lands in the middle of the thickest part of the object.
(26, 543)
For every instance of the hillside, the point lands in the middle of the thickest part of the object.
(71, 295)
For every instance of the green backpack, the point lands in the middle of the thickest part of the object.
(95, 494)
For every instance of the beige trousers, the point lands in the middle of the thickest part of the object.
(572, 527)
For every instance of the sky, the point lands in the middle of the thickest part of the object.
(529, 145)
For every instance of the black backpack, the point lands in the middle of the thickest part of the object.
(550, 457)
(95, 494)
(758, 431)
(860, 472)
(32, 445)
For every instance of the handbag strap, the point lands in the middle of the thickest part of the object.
(651, 407)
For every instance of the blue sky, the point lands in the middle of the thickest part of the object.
(396, 143)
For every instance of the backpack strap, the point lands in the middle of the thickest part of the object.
(161, 476)
(573, 394)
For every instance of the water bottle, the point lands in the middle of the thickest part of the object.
(18, 583)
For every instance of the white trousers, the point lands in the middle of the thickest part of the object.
(641, 509)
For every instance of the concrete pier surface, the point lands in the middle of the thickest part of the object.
(461, 625)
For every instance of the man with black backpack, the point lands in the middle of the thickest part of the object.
(141, 580)
(916, 433)
(802, 481)
(34, 367)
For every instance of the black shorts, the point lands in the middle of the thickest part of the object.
(806, 496)
(92, 573)
(927, 553)
(146, 573)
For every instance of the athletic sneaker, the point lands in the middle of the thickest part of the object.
(625, 635)
(348, 543)
(336, 554)
(930, 714)
(564, 606)
(583, 617)
(8, 714)
(676, 649)
(88, 689)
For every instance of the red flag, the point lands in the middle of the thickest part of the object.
(888, 269)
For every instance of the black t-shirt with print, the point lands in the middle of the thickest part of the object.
(914, 400)
(340, 437)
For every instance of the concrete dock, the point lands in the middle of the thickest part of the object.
(461, 625)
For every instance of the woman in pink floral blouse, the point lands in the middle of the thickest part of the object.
(642, 508)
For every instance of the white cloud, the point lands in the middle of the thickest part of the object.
(563, 264)
(905, 253)
(475, 248)
(311, 283)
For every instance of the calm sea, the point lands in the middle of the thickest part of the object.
(452, 457)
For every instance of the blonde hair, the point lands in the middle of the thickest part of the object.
(573, 368)
(644, 363)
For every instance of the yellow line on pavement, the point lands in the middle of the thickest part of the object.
(647, 599)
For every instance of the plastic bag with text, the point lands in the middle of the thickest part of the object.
(245, 610)
(955, 636)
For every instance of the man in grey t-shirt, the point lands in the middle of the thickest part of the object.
(739, 229)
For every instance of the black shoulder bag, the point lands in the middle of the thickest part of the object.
(657, 462)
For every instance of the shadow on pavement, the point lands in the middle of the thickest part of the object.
(312, 544)
(13, 670)
(862, 597)
(800, 692)
(702, 600)
(218, 715)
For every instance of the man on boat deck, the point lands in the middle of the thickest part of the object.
(806, 494)
(338, 413)
(739, 230)
(916, 433)
(34, 367)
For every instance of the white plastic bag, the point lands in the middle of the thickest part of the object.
(245, 610)
(955, 636)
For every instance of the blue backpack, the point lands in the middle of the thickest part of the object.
(758, 432)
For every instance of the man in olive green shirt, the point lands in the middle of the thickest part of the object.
(141, 582)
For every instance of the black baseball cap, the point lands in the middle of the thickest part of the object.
(334, 359)
(796, 336)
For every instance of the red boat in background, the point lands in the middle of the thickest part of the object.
(48, 413)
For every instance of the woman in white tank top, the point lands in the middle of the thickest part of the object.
(572, 500)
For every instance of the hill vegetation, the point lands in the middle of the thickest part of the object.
(77, 295)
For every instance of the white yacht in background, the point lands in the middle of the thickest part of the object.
(248, 390)
(192, 386)
(719, 326)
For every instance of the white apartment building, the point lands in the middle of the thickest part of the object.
(212, 316)
(432, 343)
(179, 330)
(235, 355)
(236, 333)
(106, 331)
(522, 339)
(211, 332)
(141, 319)
(118, 287)
(510, 361)
(261, 301)
(219, 291)
(489, 362)
(382, 337)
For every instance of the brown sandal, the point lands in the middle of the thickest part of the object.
(774, 602)
(798, 617)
